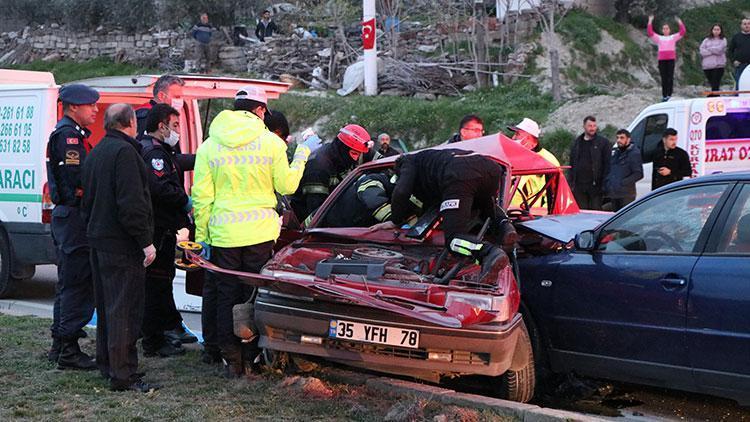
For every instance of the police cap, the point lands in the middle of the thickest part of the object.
(78, 94)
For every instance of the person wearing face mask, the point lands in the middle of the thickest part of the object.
(527, 134)
(171, 205)
(328, 167)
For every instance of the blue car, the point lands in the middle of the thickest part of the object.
(656, 294)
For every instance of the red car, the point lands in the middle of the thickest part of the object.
(375, 299)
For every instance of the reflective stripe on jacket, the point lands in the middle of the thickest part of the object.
(237, 170)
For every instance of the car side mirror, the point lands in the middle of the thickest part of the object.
(585, 240)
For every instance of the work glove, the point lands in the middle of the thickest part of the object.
(183, 234)
(188, 206)
(150, 255)
(206, 252)
(313, 142)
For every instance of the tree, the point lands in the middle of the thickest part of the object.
(547, 10)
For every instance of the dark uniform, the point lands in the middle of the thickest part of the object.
(169, 202)
(462, 184)
(74, 295)
(185, 161)
(364, 203)
(324, 171)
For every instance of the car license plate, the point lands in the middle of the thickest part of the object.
(369, 333)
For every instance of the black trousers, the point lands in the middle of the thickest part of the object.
(119, 281)
(619, 203)
(160, 309)
(714, 77)
(666, 71)
(74, 291)
(208, 313)
(588, 198)
(230, 291)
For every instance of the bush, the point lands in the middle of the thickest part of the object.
(558, 142)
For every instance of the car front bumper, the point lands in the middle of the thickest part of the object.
(485, 349)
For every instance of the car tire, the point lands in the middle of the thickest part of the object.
(8, 283)
(276, 361)
(518, 382)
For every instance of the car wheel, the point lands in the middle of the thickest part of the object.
(7, 281)
(518, 382)
(276, 361)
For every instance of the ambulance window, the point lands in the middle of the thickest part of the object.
(730, 126)
(647, 135)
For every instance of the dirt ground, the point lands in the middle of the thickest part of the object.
(33, 389)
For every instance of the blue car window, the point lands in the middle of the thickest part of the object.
(664, 224)
(735, 239)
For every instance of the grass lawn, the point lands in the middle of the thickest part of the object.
(34, 389)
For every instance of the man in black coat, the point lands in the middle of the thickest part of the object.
(171, 206)
(266, 27)
(739, 50)
(589, 165)
(671, 163)
(74, 293)
(116, 206)
(625, 169)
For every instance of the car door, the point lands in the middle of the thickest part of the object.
(620, 309)
(718, 319)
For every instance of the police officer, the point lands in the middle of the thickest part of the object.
(238, 170)
(74, 296)
(327, 167)
(171, 205)
(461, 183)
(168, 90)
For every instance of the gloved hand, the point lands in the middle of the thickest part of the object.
(188, 206)
(313, 142)
(150, 255)
(206, 252)
(183, 234)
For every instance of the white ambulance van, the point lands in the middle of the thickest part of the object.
(714, 131)
(29, 110)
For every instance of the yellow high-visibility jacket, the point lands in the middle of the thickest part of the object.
(530, 185)
(237, 170)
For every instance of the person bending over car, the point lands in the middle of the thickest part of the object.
(459, 182)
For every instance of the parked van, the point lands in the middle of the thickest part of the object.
(29, 110)
(714, 131)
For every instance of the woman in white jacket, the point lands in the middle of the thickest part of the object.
(714, 56)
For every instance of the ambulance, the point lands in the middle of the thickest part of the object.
(29, 110)
(714, 131)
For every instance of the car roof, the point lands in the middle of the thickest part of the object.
(734, 176)
(501, 148)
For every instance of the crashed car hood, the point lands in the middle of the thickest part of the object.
(564, 228)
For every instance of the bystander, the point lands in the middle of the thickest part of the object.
(625, 168)
(589, 164)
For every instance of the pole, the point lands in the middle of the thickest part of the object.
(371, 54)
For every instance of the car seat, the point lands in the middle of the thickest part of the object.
(742, 242)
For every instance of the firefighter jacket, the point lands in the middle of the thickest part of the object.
(237, 170)
(365, 202)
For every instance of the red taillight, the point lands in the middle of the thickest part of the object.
(47, 205)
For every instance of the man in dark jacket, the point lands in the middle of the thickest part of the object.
(739, 49)
(74, 294)
(385, 150)
(364, 203)
(625, 168)
(266, 27)
(201, 33)
(671, 163)
(116, 206)
(327, 167)
(589, 164)
(171, 206)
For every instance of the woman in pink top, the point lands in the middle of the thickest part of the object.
(714, 56)
(667, 53)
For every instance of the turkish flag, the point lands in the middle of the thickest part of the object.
(368, 34)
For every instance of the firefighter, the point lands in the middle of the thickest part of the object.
(238, 169)
(327, 168)
(364, 203)
(74, 296)
(171, 207)
(460, 183)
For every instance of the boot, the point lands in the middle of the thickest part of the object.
(180, 335)
(71, 357)
(492, 263)
(166, 350)
(54, 352)
(209, 355)
(133, 385)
